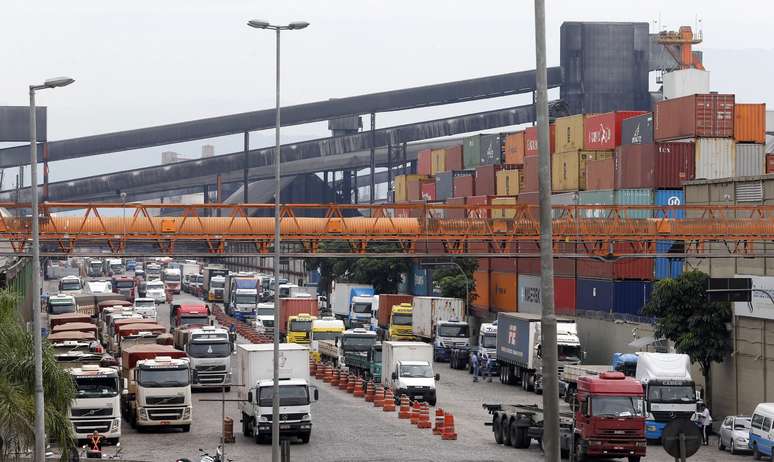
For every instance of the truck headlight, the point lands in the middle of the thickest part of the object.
(650, 428)
(263, 419)
(187, 413)
(306, 417)
(115, 426)
(143, 414)
(741, 440)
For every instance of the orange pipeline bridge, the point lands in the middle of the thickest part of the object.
(601, 231)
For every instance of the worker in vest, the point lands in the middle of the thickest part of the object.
(96, 441)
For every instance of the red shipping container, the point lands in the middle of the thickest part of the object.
(600, 174)
(530, 174)
(386, 302)
(295, 306)
(486, 182)
(456, 212)
(454, 158)
(531, 144)
(531, 265)
(675, 163)
(602, 132)
(709, 115)
(503, 264)
(624, 268)
(464, 186)
(529, 198)
(635, 166)
(564, 295)
(769, 163)
(424, 162)
(427, 190)
(479, 212)
(414, 212)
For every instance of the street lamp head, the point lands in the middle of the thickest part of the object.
(58, 82)
(298, 25)
(258, 24)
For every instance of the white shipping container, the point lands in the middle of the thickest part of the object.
(715, 158)
(750, 159)
(686, 82)
(530, 295)
(429, 310)
(770, 121)
(255, 362)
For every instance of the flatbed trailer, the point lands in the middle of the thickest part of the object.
(518, 424)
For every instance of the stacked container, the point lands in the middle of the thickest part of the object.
(750, 137)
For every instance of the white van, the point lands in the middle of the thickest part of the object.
(761, 434)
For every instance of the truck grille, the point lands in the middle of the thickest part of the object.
(215, 368)
(284, 417)
(164, 400)
(165, 414)
(88, 426)
(91, 412)
(621, 433)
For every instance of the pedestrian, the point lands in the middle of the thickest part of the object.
(474, 364)
(705, 419)
(489, 367)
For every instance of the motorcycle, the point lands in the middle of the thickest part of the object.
(218, 457)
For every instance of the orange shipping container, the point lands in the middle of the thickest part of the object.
(503, 292)
(769, 163)
(600, 174)
(514, 148)
(481, 302)
(750, 123)
(424, 162)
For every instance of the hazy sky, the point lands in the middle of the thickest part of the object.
(145, 62)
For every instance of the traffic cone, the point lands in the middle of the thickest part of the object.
(379, 397)
(438, 429)
(448, 428)
(319, 371)
(342, 380)
(369, 394)
(327, 376)
(312, 367)
(389, 401)
(336, 377)
(352, 383)
(414, 417)
(359, 389)
(424, 417)
(405, 408)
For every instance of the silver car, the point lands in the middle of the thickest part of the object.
(734, 434)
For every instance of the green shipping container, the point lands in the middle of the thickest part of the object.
(596, 197)
(471, 152)
(635, 197)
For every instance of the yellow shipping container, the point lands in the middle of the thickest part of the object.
(507, 182)
(503, 213)
(437, 161)
(569, 133)
(401, 186)
(568, 169)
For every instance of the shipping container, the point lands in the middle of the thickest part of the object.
(501, 264)
(437, 161)
(386, 302)
(413, 192)
(454, 158)
(502, 292)
(602, 132)
(530, 299)
(483, 212)
(638, 129)
(675, 163)
(564, 295)
(665, 268)
(413, 212)
(635, 166)
(639, 196)
(294, 307)
(602, 197)
(562, 266)
(569, 133)
(630, 296)
(427, 190)
(685, 82)
(421, 281)
(508, 182)
(600, 174)
(750, 159)
(444, 185)
(528, 198)
(594, 295)
(531, 143)
(486, 179)
(481, 149)
(670, 198)
(464, 185)
(568, 169)
(623, 268)
(715, 158)
(480, 303)
(769, 163)
(750, 123)
(530, 174)
(424, 162)
(709, 115)
(401, 186)
(456, 212)
(515, 146)
(504, 212)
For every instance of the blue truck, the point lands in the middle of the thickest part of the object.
(352, 303)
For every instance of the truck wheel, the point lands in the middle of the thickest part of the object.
(634, 458)
(305, 437)
(721, 446)
(246, 430)
(228, 389)
(525, 381)
(496, 428)
(756, 453)
(580, 455)
(505, 429)
(186, 428)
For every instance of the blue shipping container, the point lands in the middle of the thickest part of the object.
(673, 197)
(313, 277)
(666, 268)
(594, 295)
(421, 281)
(631, 296)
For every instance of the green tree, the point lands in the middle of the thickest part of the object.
(697, 327)
(17, 402)
(452, 282)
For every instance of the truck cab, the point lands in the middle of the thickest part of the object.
(70, 285)
(152, 271)
(360, 308)
(400, 322)
(610, 417)
(407, 367)
(146, 307)
(209, 350)
(97, 404)
(94, 268)
(123, 285)
(242, 297)
(190, 316)
(61, 303)
(300, 328)
(216, 288)
(327, 328)
(172, 278)
(158, 391)
(670, 392)
(449, 335)
(264, 318)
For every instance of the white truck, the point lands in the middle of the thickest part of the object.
(209, 350)
(61, 303)
(115, 266)
(407, 367)
(670, 392)
(71, 285)
(441, 320)
(97, 404)
(255, 371)
(216, 288)
(146, 307)
(173, 280)
(95, 268)
(264, 318)
(352, 303)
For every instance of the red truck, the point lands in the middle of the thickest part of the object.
(123, 285)
(189, 315)
(609, 420)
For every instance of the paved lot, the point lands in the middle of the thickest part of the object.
(347, 429)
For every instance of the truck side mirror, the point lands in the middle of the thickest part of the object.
(437, 377)
(316, 394)
(250, 396)
(394, 376)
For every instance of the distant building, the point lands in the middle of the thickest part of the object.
(208, 150)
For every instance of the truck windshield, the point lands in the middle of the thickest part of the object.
(69, 285)
(401, 319)
(209, 350)
(96, 387)
(59, 308)
(144, 303)
(326, 335)
(216, 284)
(568, 352)
(154, 285)
(157, 378)
(361, 308)
(300, 326)
(290, 395)
(194, 320)
(123, 284)
(116, 267)
(264, 312)
(244, 299)
(172, 278)
(616, 406)
(671, 393)
(357, 343)
(489, 341)
(419, 371)
(460, 331)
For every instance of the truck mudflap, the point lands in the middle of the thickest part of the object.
(654, 429)
(612, 448)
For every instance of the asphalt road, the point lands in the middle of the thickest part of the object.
(349, 429)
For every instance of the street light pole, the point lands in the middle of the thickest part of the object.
(37, 338)
(275, 428)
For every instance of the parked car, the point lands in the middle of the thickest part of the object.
(734, 434)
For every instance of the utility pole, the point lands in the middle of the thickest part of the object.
(548, 322)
